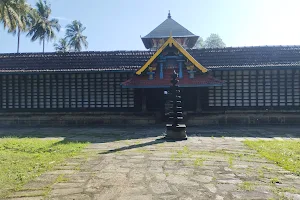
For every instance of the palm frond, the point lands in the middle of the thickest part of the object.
(75, 36)
(9, 15)
(42, 27)
(62, 46)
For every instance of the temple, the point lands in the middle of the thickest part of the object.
(233, 85)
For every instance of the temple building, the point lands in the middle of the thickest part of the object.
(232, 85)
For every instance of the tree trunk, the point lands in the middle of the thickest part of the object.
(44, 45)
(19, 34)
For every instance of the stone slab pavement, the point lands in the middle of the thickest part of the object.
(137, 163)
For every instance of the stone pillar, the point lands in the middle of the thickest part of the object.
(198, 105)
(144, 101)
(161, 72)
(180, 69)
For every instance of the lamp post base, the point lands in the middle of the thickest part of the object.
(176, 132)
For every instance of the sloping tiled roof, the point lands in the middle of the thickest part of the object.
(230, 57)
(199, 81)
(82, 61)
(167, 27)
(248, 57)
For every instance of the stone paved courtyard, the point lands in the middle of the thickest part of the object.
(138, 164)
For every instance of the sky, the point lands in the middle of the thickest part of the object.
(119, 24)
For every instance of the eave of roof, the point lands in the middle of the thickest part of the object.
(200, 80)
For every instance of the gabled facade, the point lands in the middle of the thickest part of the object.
(171, 49)
(156, 72)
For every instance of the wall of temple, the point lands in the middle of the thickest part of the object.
(81, 91)
(256, 89)
(244, 90)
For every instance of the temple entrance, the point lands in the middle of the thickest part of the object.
(155, 99)
(155, 77)
(194, 99)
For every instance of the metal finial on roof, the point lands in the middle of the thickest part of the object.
(169, 15)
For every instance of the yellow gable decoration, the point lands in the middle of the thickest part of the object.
(170, 42)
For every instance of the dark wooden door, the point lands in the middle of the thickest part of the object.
(155, 99)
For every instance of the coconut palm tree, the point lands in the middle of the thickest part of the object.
(23, 10)
(43, 27)
(9, 15)
(75, 37)
(14, 16)
(62, 46)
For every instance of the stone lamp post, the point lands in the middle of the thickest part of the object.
(176, 130)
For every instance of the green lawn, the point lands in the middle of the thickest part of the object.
(284, 153)
(21, 160)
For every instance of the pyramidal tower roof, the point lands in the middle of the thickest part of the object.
(167, 28)
(169, 25)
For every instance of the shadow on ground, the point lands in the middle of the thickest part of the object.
(134, 146)
(104, 134)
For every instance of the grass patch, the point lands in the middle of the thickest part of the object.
(61, 179)
(185, 152)
(247, 186)
(140, 150)
(289, 189)
(21, 160)
(261, 173)
(275, 180)
(230, 161)
(284, 153)
(279, 192)
(199, 162)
